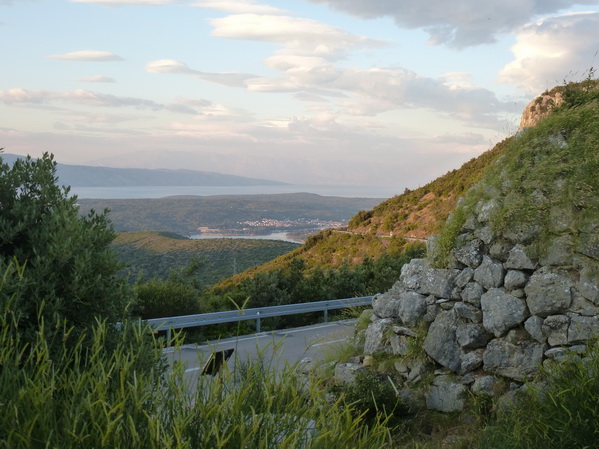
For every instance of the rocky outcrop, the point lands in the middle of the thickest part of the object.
(540, 108)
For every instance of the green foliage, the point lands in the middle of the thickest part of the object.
(156, 254)
(67, 269)
(561, 413)
(372, 395)
(83, 396)
(157, 298)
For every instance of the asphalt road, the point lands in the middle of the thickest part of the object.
(278, 347)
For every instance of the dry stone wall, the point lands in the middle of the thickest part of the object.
(487, 324)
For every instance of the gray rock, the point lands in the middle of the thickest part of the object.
(582, 306)
(472, 293)
(487, 209)
(469, 312)
(502, 311)
(489, 274)
(588, 244)
(470, 254)
(519, 260)
(412, 307)
(464, 277)
(377, 334)
(400, 344)
(518, 362)
(559, 252)
(471, 361)
(445, 395)
(400, 330)
(347, 372)
(588, 286)
(441, 342)
(582, 328)
(385, 305)
(515, 279)
(548, 293)
(418, 276)
(533, 326)
(555, 328)
(485, 234)
(485, 386)
(472, 336)
(417, 372)
(500, 251)
(522, 233)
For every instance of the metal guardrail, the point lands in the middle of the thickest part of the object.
(230, 316)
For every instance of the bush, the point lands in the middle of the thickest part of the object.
(157, 299)
(65, 268)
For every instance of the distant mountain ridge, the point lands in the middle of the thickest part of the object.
(88, 176)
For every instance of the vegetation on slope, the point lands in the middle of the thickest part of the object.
(421, 212)
(547, 170)
(156, 254)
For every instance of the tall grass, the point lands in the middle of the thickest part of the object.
(87, 397)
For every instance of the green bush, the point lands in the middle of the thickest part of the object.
(63, 259)
(158, 299)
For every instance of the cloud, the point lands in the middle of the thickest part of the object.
(87, 55)
(298, 36)
(177, 67)
(95, 79)
(237, 6)
(463, 23)
(128, 2)
(553, 50)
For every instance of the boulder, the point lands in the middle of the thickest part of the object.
(518, 362)
(548, 293)
(582, 328)
(515, 279)
(441, 342)
(490, 273)
(472, 293)
(534, 326)
(470, 254)
(377, 335)
(518, 259)
(418, 276)
(555, 328)
(502, 311)
(385, 305)
(446, 395)
(347, 372)
(472, 336)
(411, 307)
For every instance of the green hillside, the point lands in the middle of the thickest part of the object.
(156, 253)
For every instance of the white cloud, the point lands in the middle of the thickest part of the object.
(87, 55)
(237, 6)
(298, 36)
(95, 79)
(177, 67)
(461, 23)
(127, 2)
(553, 50)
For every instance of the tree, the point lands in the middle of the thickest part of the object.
(68, 273)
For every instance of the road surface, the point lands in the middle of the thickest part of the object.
(277, 347)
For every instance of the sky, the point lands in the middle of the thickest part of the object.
(387, 93)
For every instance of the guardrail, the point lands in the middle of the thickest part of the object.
(231, 316)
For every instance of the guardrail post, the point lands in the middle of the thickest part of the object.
(168, 337)
(257, 322)
(326, 315)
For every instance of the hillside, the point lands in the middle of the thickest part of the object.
(156, 253)
(88, 176)
(392, 227)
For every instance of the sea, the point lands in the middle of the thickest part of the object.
(164, 191)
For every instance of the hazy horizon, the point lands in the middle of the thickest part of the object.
(309, 92)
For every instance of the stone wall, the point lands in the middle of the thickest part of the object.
(488, 323)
